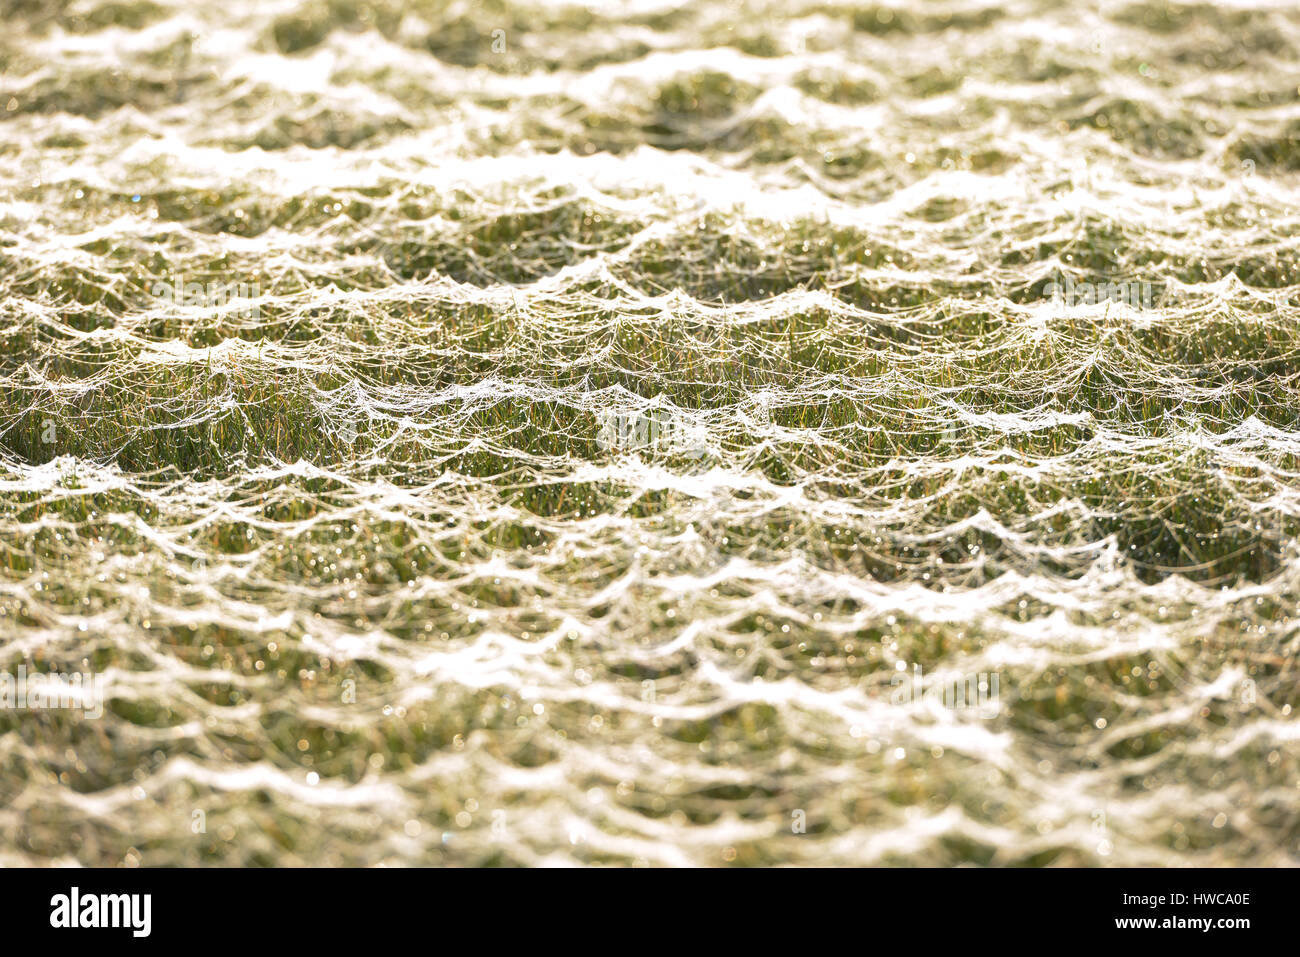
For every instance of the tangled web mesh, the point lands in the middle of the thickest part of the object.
(546, 432)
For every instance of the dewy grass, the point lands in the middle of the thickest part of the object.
(621, 407)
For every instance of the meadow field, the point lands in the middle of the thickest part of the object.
(818, 432)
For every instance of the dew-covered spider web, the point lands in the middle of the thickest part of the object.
(553, 432)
